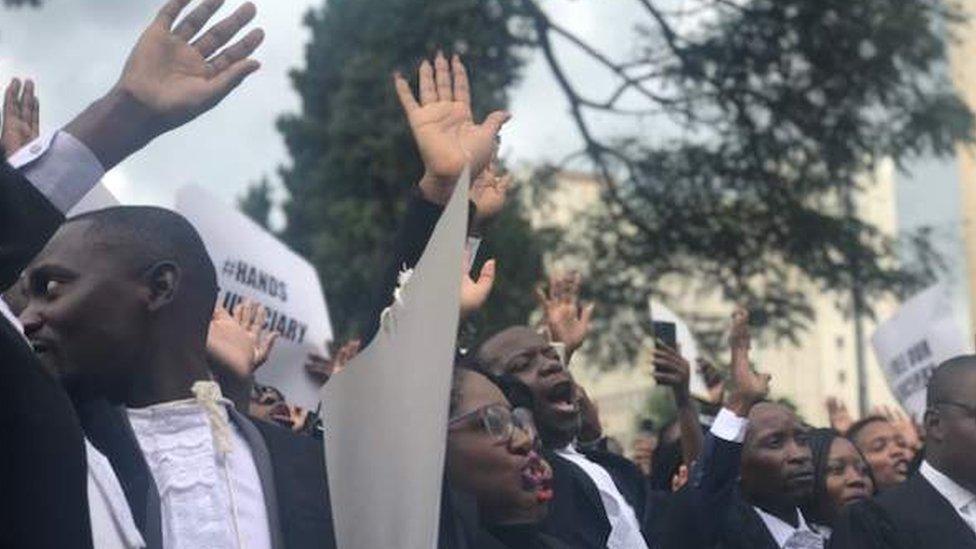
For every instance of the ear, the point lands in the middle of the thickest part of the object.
(933, 424)
(162, 282)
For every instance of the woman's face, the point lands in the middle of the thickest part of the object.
(510, 481)
(846, 477)
(887, 452)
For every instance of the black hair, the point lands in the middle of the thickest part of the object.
(859, 425)
(518, 394)
(820, 441)
(945, 378)
(145, 235)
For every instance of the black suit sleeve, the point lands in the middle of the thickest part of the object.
(864, 525)
(411, 239)
(696, 515)
(27, 221)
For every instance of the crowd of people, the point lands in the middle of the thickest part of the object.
(132, 418)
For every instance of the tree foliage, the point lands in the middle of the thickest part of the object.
(772, 112)
(353, 161)
(256, 202)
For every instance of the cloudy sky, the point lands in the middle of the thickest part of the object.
(74, 49)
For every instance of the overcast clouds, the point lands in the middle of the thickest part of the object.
(75, 49)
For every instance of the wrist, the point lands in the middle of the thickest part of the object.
(682, 397)
(113, 127)
(436, 189)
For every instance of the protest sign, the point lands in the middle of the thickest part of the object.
(923, 333)
(386, 412)
(686, 340)
(253, 264)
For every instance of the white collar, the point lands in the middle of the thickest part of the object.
(956, 495)
(779, 528)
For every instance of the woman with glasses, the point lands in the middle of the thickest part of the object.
(492, 457)
(841, 476)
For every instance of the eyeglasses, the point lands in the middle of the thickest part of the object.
(499, 421)
(971, 410)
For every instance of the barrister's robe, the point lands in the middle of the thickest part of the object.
(43, 470)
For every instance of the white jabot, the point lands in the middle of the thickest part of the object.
(111, 520)
(624, 530)
(60, 166)
(961, 499)
(209, 497)
(788, 537)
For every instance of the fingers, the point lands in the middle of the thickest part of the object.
(11, 102)
(494, 122)
(34, 116)
(540, 295)
(236, 52)
(196, 19)
(486, 279)
(587, 314)
(223, 31)
(442, 76)
(239, 312)
(405, 94)
(226, 81)
(428, 93)
(169, 12)
(462, 89)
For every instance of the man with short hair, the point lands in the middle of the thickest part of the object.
(937, 507)
(120, 301)
(885, 449)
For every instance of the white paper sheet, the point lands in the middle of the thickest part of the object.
(385, 415)
(252, 263)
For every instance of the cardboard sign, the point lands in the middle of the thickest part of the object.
(920, 336)
(386, 413)
(253, 264)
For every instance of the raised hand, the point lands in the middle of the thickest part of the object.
(443, 126)
(840, 418)
(671, 369)
(714, 382)
(169, 80)
(906, 428)
(239, 343)
(21, 116)
(324, 368)
(748, 387)
(474, 293)
(566, 321)
(488, 192)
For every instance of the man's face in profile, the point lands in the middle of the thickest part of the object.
(776, 459)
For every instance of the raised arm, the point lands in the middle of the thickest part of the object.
(672, 370)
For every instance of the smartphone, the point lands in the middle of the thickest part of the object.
(666, 333)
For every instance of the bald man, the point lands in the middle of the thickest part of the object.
(119, 304)
(935, 508)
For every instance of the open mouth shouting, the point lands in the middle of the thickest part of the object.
(562, 398)
(537, 477)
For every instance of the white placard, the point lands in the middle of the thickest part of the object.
(688, 344)
(252, 263)
(386, 413)
(920, 336)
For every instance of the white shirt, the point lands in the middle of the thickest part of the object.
(624, 530)
(783, 531)
(62, 168)
(961, 499)
(208, 498)
(111, 520)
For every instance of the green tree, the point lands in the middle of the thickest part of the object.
(770, 112)
(256, 202)
(353, 161)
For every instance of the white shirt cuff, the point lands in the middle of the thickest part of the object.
(730, 427)
(62, 168)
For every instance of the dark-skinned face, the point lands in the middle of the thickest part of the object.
(953, 431)
(886, 450)
(776, 460)
(529, 357)
(86, 314)
(510, 481)
(846, 478)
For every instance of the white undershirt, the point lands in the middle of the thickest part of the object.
(624, 529)
(111, 520)
(207, 499)
(961, 499)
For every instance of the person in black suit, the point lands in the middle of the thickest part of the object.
(43, 465)
(775, 473)
(120, 301)
(937, 506)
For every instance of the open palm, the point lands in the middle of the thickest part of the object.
(443, 126)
